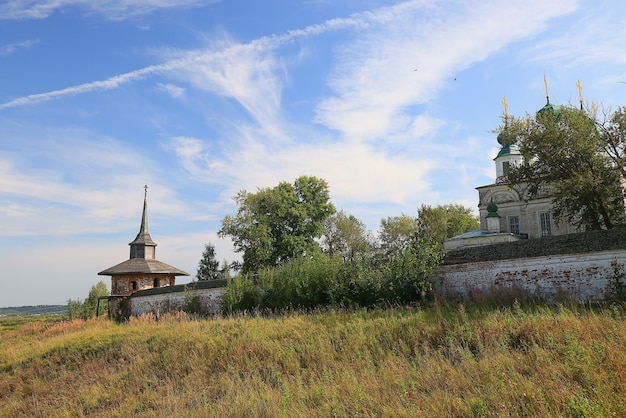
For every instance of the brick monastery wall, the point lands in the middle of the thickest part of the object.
(160, 300)
(567, 267)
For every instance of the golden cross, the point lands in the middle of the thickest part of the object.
(580, 90)
(505, 105)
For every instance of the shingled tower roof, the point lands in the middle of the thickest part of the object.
(142, 253)
(143, 238)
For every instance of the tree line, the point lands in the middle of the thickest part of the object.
(297, 250)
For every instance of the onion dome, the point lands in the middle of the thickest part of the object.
(492, 210)
(550, 109)
(504, 137)
(508, 142)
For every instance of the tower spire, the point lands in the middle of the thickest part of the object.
(143, 246)
(144, 215)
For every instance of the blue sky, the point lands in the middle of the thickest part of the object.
(391, 102)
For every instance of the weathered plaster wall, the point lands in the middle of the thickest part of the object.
(579, 277)
(208, 295)
(575, 267)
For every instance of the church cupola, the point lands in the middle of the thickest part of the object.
(493, 219)
(549, 109)
(509, 154)
(143, 246)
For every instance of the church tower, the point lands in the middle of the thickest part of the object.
(142, 270)
(143, 246)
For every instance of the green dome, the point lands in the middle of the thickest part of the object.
(492, 210)
(504, 137)
(549, 109)
(508, 142)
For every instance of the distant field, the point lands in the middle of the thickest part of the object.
(33, 310)
(441, 361)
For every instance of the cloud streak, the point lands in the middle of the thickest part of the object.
(113, 9)
(12, 47)
(187, 59)
(200, 59)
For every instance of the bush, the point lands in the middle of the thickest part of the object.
(322, 280)
(241, 295)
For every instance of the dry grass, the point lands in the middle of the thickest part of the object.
(440, 361)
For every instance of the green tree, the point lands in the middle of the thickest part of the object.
(87, 309)
(75, 308)
(208, 266)
(225, 270)
(98, 290)
(575, 159)
(395, 234)
(613, 130)
(345, 235)
(436, 224)
(275, 225)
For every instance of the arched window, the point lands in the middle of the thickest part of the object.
(133, 285)
(155, 282)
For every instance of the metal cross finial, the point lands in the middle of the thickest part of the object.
(505, 105)
(580, 91)
(146, 190)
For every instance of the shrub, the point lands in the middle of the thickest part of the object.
(241, 294)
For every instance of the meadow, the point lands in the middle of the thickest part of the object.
(436, 361)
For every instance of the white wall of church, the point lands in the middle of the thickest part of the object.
(513, 202)
(210, 301)
(578, 277)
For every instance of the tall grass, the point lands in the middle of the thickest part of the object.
(439, 361)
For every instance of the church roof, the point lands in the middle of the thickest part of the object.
(137, 263)
(143, 237)
(478, 232)
(142, 265)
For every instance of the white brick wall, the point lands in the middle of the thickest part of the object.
(581, 277)
(210, 300)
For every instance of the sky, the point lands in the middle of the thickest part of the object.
(393, 103)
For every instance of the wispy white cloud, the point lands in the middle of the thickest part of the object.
(587, 40)
(108, 84)
(14, 46)
(79, 184)
(171, 89)
(245, 73)
(375, 83)
(247, 63)
(388, 67)
(114, 9)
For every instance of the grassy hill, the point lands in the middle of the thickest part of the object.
(432, 362)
